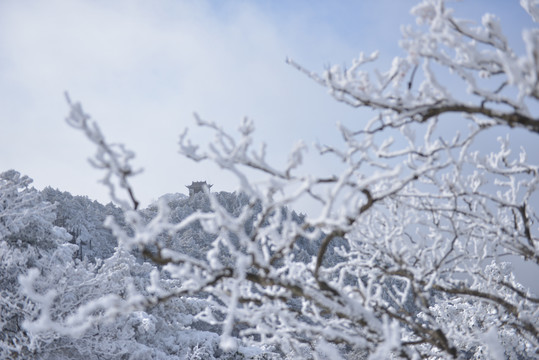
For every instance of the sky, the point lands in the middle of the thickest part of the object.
(142, 68)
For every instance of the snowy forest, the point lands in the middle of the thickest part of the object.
(409, 252)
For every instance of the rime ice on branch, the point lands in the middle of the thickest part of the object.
(407, 253)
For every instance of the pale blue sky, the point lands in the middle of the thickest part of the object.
(142, 68)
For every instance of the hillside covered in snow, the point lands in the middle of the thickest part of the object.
(59, 241)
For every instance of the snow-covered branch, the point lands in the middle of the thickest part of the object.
(477, 55)
(114, 158)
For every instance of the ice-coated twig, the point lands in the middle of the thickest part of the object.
(114, 158)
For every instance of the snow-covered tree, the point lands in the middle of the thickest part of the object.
(55, 306)
(406, 255)
(27, 238)
(83, 219)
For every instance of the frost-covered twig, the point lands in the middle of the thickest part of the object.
(404, 257)
(114, 158)
(471, 53)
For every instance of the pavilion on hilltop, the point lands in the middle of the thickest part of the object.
(197, 186)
